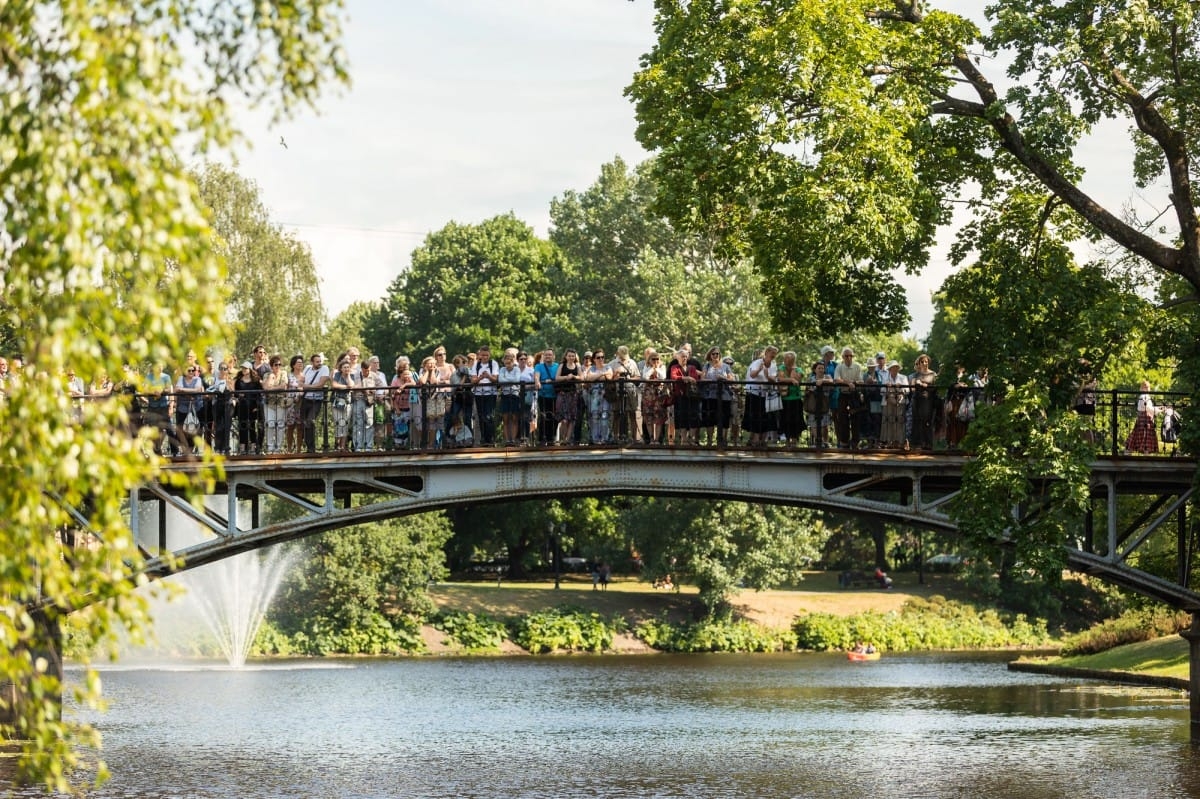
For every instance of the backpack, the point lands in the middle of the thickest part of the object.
(1170, 426)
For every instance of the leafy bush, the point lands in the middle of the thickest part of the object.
(270, 640)
(565, 629)
(475, 633)
(935, 623)
(1128, 628)
(376, 635)
(715, 635)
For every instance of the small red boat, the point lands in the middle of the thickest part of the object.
(855, 655)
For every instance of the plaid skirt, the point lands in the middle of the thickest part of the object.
(1143, 437)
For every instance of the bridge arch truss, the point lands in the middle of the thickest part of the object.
(912, 489)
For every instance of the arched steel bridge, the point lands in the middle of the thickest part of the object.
(908, 488)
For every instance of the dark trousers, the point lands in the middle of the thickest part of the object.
(310, 412)
(547, 420)
(845, 420)
(485, 407)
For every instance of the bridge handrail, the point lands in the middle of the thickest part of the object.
(608, 407)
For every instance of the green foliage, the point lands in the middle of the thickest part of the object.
(346, 330)
(936, 623)
(1025, 310)
(630, 279)
(723, 546)
(272, 641)
(831, 139)
(1031, 458)
(565, 629)
(108, 257)
(269, 269)
(715, 635)
(471, 631)
(355, 590)
(468, 285)
(1130, 627)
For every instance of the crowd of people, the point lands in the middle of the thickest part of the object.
(267, 406)
(672, 398)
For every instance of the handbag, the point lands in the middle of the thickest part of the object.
(191, 425)
(437, 405)
(774, 402)
(816, 402)
(966, 411)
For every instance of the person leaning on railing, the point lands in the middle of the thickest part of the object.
(316, 378)
(1143, 437)
(568, 397)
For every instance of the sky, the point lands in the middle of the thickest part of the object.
(460, 111)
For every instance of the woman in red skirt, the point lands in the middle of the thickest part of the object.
(1143, 438)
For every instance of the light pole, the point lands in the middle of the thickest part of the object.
(557, 552)
(555, 555)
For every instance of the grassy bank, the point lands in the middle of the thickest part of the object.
(817, 615)
(638, 601)
(1161, 657)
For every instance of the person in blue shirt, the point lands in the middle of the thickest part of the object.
(547, 421)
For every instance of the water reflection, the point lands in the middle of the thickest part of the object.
(660, 726)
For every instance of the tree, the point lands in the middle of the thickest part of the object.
(721, 546)
(830, 140)
(275, 297)
(356, 588)
(630, 278)
(107, 257)
(346, 330)
(1026, 311)
(468, 285)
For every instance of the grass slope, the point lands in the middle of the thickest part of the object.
(1164, 657)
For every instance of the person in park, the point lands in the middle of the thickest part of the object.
(312, 402)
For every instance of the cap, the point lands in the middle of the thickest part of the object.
(728, 359)
(879, 355)
(587, 354)
(826, 349)
(246, 364)
(847, 350)
(890, 364)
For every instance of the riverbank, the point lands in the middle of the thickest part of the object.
(1161, 662)
(636, 601)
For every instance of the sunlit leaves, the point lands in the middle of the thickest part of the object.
(1028, 485)
(468, 285)
(107, 258)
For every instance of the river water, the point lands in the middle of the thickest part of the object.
(796, 725)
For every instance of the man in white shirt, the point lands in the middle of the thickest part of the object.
(483, 379)
(848, 376)
(316, 377)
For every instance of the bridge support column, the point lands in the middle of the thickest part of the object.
(1193, 638)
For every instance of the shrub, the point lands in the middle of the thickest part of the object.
(475, 633)
(935, 623)
(565, 629)
(1128, 628)
(715, 635)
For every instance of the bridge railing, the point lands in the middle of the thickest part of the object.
(729, 414)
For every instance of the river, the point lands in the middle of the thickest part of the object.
(795, 725)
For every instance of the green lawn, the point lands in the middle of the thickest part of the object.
(1167, 657)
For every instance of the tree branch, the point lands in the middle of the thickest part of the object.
(1011, 140)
